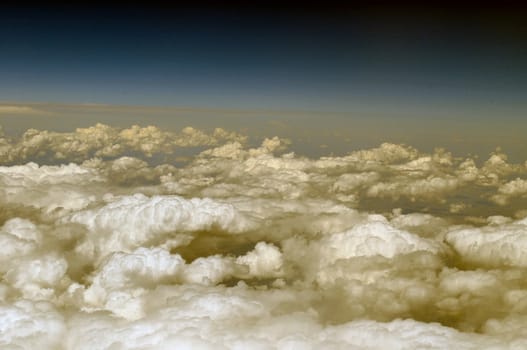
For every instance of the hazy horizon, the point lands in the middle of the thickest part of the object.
(313, 133)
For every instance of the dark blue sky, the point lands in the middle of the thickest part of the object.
(278, 57)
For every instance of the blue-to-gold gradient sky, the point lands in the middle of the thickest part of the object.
(451, 76)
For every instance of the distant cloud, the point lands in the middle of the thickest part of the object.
(13, 109)
(105, 141)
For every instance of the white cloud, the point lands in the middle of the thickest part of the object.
(31, 325)
(130, 221)
(512, 189)
(64, 188)
(249, 247)
(265, 260)
(106, 141)
(493, 245)
(18, 238)
(372, 238)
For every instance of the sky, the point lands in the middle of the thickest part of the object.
(408, 73)
(335, 58)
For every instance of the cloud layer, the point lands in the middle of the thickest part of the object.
(109, 242)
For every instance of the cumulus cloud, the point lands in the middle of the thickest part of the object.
(31, 325)
(106, 141)
(493, 245)
(18, 238)
(509, 190)
(109, 243)
(131, 221)
(373, 238)
(62, 188)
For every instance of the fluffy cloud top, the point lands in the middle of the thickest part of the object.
(373, 238)
(493, 245)
(239, 247)
(106, 141)
(131, 221)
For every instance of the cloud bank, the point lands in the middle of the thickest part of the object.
(109, 242)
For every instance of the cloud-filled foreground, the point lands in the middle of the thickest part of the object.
(109, 240)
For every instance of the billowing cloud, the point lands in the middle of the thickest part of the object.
(507, 191)
(129, 222)
(106, 141)
(493, 245)
(108, 242)
(62, 188)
